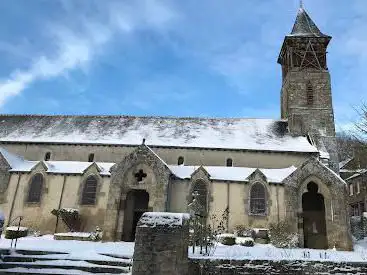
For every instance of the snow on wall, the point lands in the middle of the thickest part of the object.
(152, 219)
(229, 133)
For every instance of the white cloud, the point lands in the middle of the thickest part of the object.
(76, 48)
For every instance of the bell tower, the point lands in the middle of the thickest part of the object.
(306, 99)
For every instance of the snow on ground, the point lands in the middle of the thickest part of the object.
(76, 249)
(93, 250)
(269, 252)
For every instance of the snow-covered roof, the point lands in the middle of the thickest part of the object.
(232, 173)
(344, 162)
(12, 159)
(18, 164)
(360, 173)
(225, 133)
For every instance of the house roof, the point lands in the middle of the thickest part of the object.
(18, 164)
(344, 162)
(233, 173)
(360, 173)
(216, 133)
(305, 26)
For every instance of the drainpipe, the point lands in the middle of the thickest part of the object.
(60, 201)
(228, 187)
(13, 202)
(168, 195)
(277, 194)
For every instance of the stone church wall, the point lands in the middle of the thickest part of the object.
(38, 215)
(170, 155)
(235, 196)
(179, 190)
(238, 201)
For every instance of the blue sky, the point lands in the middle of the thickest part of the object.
(168, 57)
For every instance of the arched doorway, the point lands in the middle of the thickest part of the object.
(314, 224)
(135, 205)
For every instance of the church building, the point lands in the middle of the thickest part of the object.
(260, 171)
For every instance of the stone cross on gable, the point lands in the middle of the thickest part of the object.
(140, 175)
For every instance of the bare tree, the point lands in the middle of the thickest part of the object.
(361, 125)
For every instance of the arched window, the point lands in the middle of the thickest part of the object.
(47, 156)
(229, 162)
(35, 188)
(257, 199)
(91, 157)
(200, 188)
(89, 191)
(309, 93)
(180, 161)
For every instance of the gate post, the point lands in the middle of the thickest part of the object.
(161, 244)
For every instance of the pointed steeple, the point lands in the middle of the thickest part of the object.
(304, 25)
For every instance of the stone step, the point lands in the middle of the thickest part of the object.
(30, 252)
(65, 265)
(21, 270)
(30, 259)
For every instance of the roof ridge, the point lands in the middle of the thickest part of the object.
(134, 116)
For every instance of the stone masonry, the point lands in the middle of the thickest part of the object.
(161, 244)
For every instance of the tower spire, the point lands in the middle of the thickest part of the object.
(301, 4)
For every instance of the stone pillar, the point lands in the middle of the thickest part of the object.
(161, 244)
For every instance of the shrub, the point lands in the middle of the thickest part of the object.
(227, 239)
(12, 232)
(96, 235)
(245, 241)
(281, 235)
(243, 231)
(358, 226)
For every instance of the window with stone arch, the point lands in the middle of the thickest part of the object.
(309, 92)
(91, 157)
(180, 161)
(229, 162)
(89, 192)
(35, 189)
(258, 199)
(47, 156)
(200, 187)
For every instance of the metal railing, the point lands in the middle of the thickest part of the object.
(16, 239)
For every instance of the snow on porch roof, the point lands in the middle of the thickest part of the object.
(233, 173)
(18, 164)
(225, 133)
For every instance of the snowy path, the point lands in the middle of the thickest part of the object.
(76, 249)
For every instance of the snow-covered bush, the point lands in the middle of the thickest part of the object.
(245, 241)
(243, 231)
(96, 235)
(358, 226)
(227, 239)
(70, 216)
(13, 232)
(281, 235)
